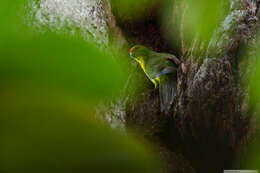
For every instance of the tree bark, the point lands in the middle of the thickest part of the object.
(211, 123)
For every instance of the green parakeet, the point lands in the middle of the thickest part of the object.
(161, 69)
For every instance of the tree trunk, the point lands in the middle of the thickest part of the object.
(211, 124)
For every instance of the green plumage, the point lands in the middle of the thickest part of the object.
(161, 69)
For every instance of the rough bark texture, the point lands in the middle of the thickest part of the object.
(209, 126)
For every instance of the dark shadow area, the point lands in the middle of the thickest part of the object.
(147, 30)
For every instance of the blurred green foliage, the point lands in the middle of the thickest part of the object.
(42, 137)
(253, 156)
(202, 17)
(255, 83)
(252, 80)
(48, 83)
(63, 63)
(188, 19)
(57, 61)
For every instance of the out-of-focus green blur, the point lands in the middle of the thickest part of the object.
(189, 20)
(49, 84)
(253, 157)
(49, 138)
(66, 64)
(254, 80)
(252, 54)
(61, 62)
(201, 17)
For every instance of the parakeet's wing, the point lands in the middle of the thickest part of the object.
(166, 70)
(167, 90)
(162, 67)
(171, 58)
(161, 63)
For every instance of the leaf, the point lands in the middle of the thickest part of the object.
(42, 61)
(48, 138)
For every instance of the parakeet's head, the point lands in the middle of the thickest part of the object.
(139, 52)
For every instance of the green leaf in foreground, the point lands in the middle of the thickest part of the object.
(252, 54)
(252, 159)
(48, 62)
(47, 138)
(255, 84)
(61, 63)
(201, 17)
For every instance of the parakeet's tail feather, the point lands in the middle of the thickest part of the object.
(167, 90)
